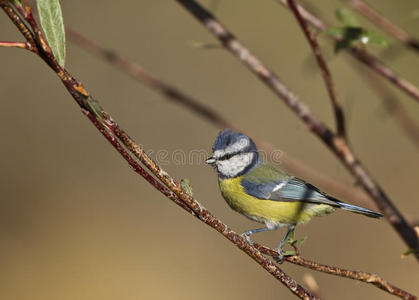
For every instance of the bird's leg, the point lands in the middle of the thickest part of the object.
(268, 227)
(282, 243)
(248, 233)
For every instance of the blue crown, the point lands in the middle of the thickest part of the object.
(228, 137)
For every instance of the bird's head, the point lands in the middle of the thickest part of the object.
(233, 154)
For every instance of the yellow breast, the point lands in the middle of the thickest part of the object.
(267, 211)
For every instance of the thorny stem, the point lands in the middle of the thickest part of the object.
(366, 277)
(363, 56)
(142, 75)
(327, 76)
(336, 144)
(111, 130)
(378, 19)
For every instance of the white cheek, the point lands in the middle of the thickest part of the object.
(233, 166)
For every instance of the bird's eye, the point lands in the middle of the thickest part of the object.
(227, 156)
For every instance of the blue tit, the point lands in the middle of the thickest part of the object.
(265, 194)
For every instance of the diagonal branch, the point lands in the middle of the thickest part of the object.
(385, 24)
(142, 75)
(363, 56)
(335, 143)
(336, 103)
(366, 277)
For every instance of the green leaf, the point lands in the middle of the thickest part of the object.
(335, 31)
(291, 238)
(53, 26)
(372, 37)
(289, 253)
(349, 35)
(346, 32)
(353, 33)
(346, 17)
(301, 241)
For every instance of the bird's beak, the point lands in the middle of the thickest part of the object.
(210, 160)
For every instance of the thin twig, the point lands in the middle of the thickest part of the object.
(331, 89)
(109, 128)
(144, 76)
(335, 143)
(363, 56)
(366, 277)
(21, 45)
(385, 24)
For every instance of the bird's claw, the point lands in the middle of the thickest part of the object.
(247, 237)
(280, 258)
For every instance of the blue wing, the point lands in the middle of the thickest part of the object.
(291, 189)
(267, 183)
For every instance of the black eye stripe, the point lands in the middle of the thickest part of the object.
(228, 155)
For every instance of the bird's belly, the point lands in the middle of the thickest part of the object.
(268, 211)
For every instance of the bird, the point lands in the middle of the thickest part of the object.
(265, 194)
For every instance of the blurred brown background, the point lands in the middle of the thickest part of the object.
(77, 223)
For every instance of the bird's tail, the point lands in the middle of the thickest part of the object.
(360, 210)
